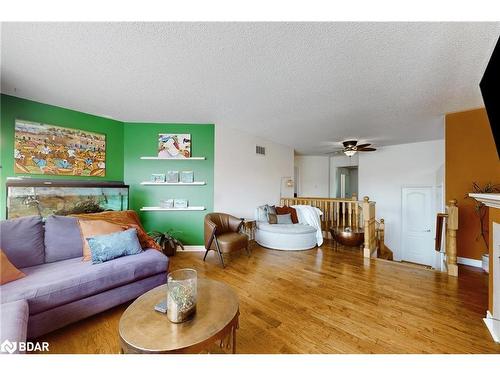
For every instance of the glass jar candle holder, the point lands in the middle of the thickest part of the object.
(182, 294)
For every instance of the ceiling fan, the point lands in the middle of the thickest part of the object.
(351, 147)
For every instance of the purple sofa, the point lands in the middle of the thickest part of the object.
(60, 288)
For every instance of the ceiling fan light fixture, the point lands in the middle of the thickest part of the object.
(349, 152)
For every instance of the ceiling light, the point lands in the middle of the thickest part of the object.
(349, 152)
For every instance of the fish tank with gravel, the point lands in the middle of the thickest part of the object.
(26, 197)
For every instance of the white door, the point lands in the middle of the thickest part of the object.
(417, 226)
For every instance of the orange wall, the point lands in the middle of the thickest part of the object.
(470, 156)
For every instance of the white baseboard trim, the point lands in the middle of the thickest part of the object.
(193, 248)
(493, 326)
(470, 262)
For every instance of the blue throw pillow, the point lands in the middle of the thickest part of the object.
(114, 245)
(284, 219)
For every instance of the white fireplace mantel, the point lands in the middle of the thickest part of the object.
(490, 200)
(492, 319)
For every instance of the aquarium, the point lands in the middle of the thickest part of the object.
(44, 198)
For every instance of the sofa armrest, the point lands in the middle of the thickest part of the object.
(14, 322)
(209, 232)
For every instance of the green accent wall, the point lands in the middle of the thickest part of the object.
(12, 107)
(141, 139)
(125, 144)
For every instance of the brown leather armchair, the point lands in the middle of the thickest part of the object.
(222, 234)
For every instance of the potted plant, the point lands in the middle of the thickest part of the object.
(481, 210)
(167, 241)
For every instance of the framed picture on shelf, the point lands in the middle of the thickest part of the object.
(173, 177)
(167, 203)
(180, 203)
(174, 146)
(187, 177)
(158, 177)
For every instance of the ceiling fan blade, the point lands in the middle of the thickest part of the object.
(363, 145)
(368, 149)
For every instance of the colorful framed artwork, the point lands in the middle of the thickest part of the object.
(54, 150)
(174, 146)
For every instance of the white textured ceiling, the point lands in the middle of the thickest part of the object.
(300, 84)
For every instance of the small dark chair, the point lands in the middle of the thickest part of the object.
(222, 234)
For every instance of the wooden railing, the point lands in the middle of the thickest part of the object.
(451, 226)
(336, 212)
(341, 213)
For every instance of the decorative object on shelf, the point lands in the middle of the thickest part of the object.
(182, 295)
(48, 149)
(167, 203)
(158, 177)
(172, 177)
(167, 241)
(180, 203)
(481, 209)
(187, 177)
(174, 146)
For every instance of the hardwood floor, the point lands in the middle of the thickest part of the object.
(326, 301)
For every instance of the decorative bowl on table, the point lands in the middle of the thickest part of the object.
(348, 236)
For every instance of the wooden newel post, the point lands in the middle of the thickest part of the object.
(369, 227)
(381, 235)
(451, 238)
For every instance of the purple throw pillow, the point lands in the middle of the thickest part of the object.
(22, 241)
(63, 239)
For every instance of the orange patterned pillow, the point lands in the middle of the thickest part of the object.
(117, 217)
(127, 219)
(91, 228)
(8, 272)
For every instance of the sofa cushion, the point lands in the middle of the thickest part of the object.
(232, 241)
(273, 219)
(8, 272)
(261, 214)
(115, 245)
(22, 241)
(92, 228)
(288, 210)
(54, 284)
(62, 238)
(284, 219)
(286, 228)
(14, 323)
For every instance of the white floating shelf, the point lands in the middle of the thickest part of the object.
(149, 183)
(190, 208)
(172, 159)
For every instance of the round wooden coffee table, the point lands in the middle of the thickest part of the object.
(144, 330)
